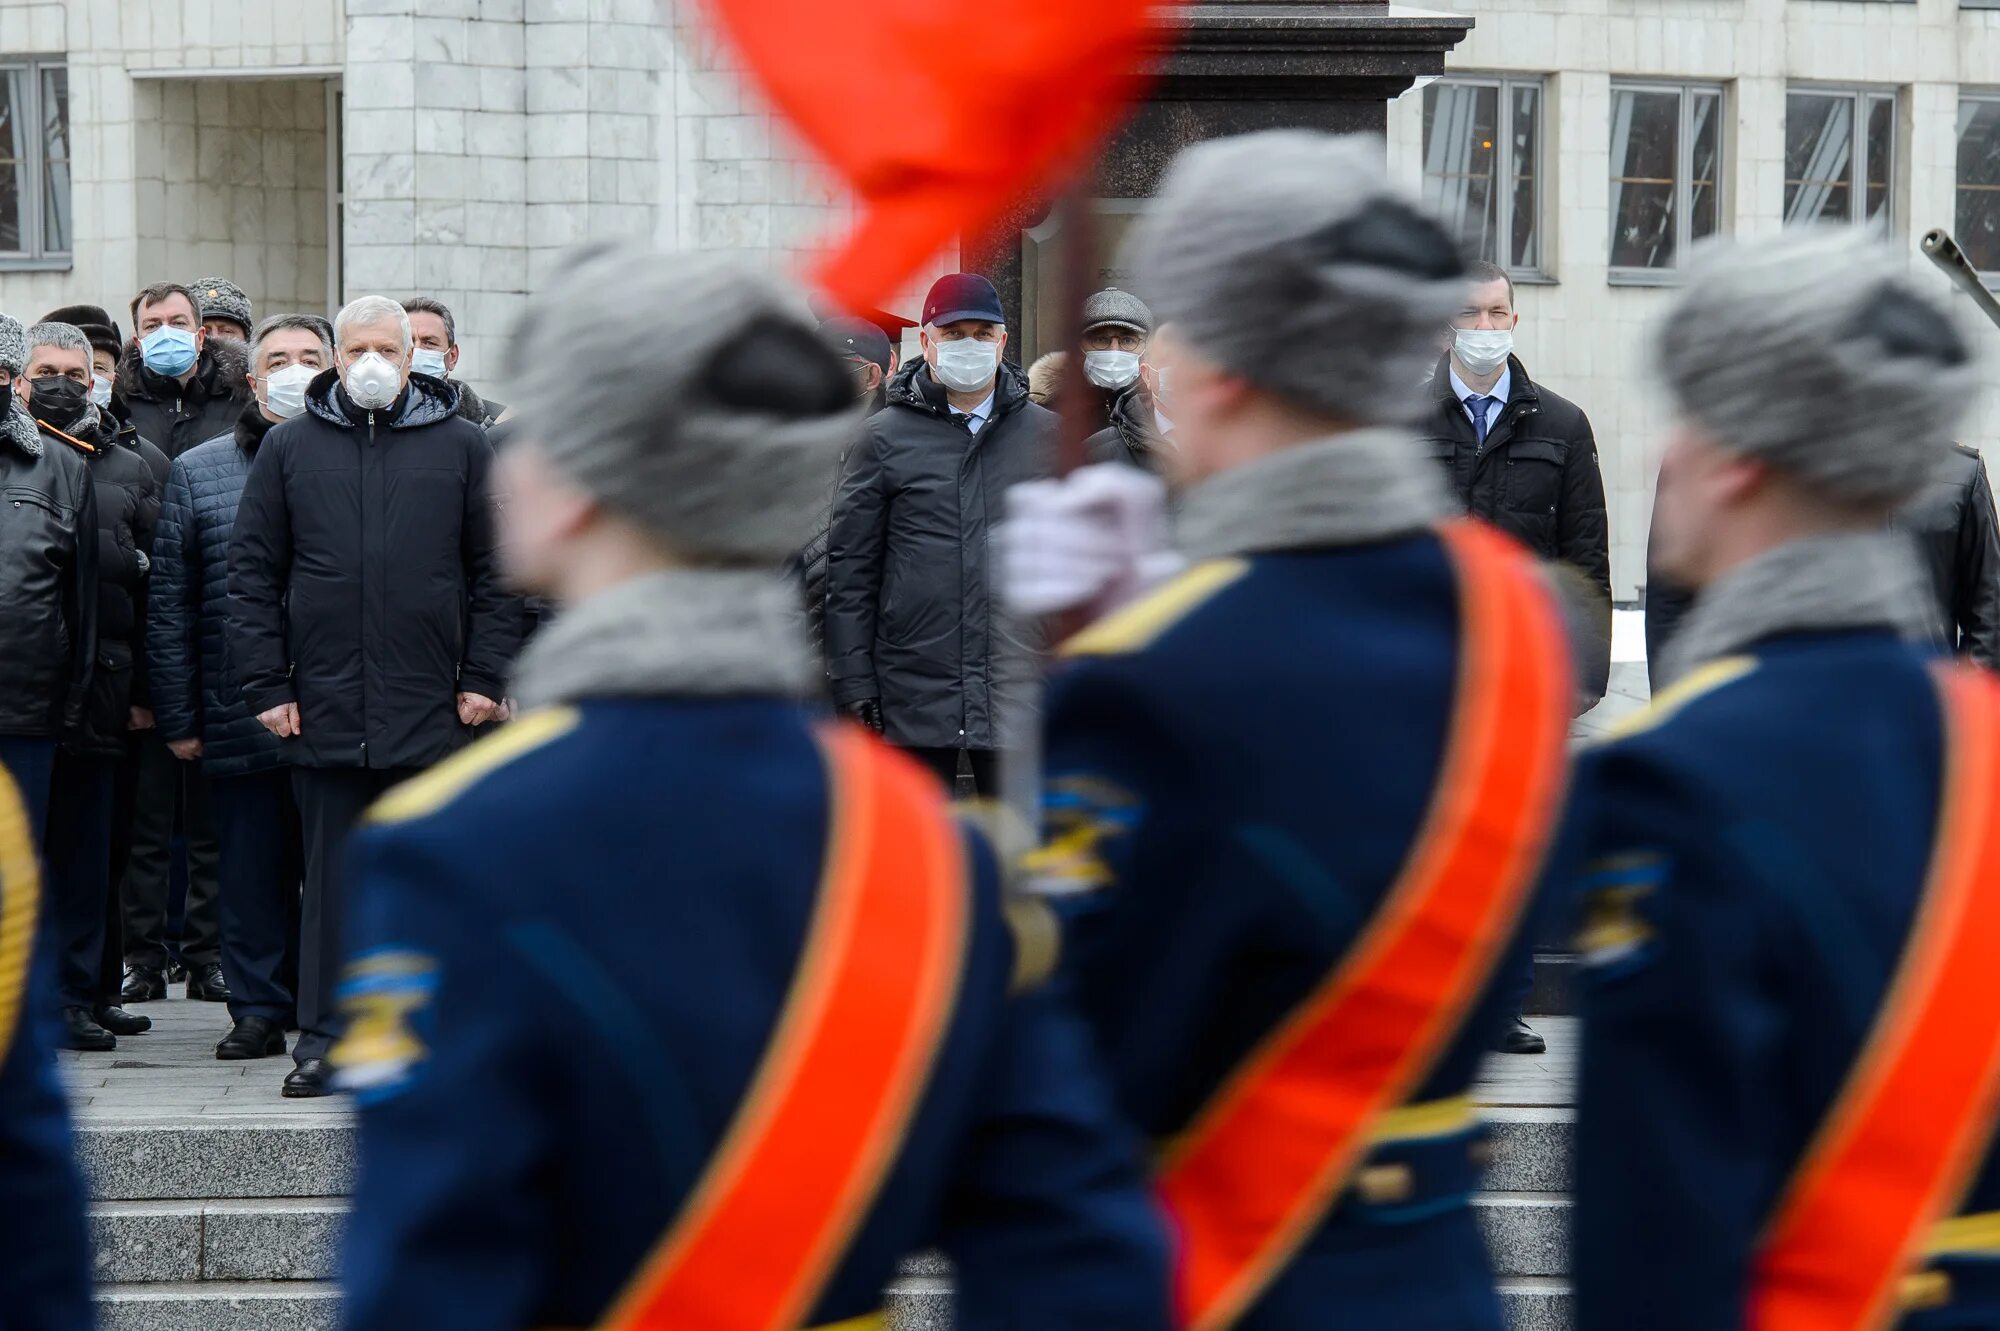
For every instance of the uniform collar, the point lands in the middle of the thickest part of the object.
(1350, 489)
(684, 633)
(1823, 583)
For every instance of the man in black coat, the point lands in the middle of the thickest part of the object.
(436, 332)
(48, 582)
(180, 385)
(125, 473)
(916, 646)
(200, 710)
(1523, 457)
(367, 623)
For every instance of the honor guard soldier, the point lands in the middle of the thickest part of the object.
(45, 1264)
(1300, 797)
(673, 1005)
(1792, 1034)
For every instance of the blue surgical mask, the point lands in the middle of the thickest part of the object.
(425, 361)
(168, 351)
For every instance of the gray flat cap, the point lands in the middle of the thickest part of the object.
(13, 345)
(1122, 308)
(1815, 351)
(686, 392)
(1286, 257)
(220, 298)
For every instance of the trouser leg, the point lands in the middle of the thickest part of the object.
(79, 875)
(30, 762)
(256, 826)
(985, 772)
(149, 854)
(331, 802)
(201, 922)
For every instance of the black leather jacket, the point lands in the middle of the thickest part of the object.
(48, 580)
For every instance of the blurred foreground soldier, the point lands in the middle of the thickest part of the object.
(915, 645)
(45, 1267)
(774, 1050)
(1792, 1025)
(1300, 797)
(436, 334)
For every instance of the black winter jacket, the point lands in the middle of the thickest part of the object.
(910, 619)
(126, 475)
(1537, 480)
(483, 412)
(362, 579)
(48, 579)
(1132, 434)
(1952, 521)
(187, 644)
(177, 416)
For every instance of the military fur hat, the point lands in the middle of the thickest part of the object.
(13, 345)
(1816, 352)
(220, 298)
(1286, 257)
(715, 415)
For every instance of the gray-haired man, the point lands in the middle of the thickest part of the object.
(367, 624)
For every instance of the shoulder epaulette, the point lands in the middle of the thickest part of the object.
(1140, 624)
(1675, 698)
(422, 796)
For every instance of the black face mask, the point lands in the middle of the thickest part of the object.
(58, 401)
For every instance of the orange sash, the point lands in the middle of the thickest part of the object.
(765, 1228)
(1263, 1161)
(1916, 1116)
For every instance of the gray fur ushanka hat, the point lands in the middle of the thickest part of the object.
(1817, 352)
(13, 345)
(686, 392)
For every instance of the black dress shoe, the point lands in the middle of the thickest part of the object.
(1521, 1039)
(143, 984)
(120, 1022)
(310, 1078)
(207, 984)
(79, 1031)
(252, 1037)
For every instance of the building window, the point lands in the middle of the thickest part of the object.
(1835, 172)
(34, 160)
(1977, 225)
(1666, 175)
(1483, 167)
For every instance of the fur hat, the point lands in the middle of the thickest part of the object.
(715, 415)
(13, 345)
(96, 323)
(1816, 352)
(1045, 377)
(1286, 257)
(220, 298)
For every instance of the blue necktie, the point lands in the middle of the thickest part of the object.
(1477, 405)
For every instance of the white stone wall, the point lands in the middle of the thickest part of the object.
(112, 47)
(1586, 337)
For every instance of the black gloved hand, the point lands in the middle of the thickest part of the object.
(868, 712)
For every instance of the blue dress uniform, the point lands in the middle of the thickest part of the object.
(571, 948)
(45, 1261)
(1760, 844)
(1238, 767)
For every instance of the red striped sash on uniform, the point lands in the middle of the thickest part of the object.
(1917, 1113)
(764, 1230)
(1265, 1159)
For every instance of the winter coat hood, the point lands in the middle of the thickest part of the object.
(425, 401)
(222, 372)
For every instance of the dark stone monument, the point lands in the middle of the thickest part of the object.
(1238, 66)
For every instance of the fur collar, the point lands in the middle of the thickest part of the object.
(1351, 489)
(18, 429)
(222, 371)
(683, 633)
(1853, 581)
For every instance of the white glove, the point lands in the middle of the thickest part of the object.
(1093, 540)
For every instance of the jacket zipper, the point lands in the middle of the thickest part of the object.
(365, 459)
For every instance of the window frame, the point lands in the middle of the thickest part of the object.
(1861, 95)
(1686, 90)
(1987, 96)
(1504, 82)
(38, 256)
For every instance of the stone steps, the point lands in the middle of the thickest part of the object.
(208, 1305)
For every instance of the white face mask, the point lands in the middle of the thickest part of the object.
(373, 381)
(1483, 350)
(285, 390)
(1111, 369)
(425, 361)
(966, 366)
(100, 390)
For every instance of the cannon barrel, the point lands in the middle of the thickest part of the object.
(1942, 250)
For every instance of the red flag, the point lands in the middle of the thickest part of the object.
(940, 115)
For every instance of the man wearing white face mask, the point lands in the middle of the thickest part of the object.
(368, 629)
(915, 645)
(436, 354)
(1117, 329)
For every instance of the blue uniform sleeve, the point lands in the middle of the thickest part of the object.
(1676, 1154)
(453, 1096)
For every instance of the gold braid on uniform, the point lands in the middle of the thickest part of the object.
(20, 887)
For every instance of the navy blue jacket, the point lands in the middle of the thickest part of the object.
(1759, 847)
(195, 694)
(1238, 767)
(600, 911)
